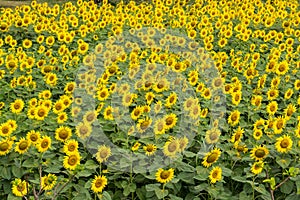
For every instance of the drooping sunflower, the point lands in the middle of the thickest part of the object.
(71, 161)
(259, 153)
(22, 146)
(136, 146)
(215, 174)
(150, 149)
(5, 146)
(164, 176)
(284, 144)
(212, 135)
(171, 147)
(70, 147)
(48, 181)
(43, 144)
(17, 106)
(211, 157)
(257, 167)
(234, 118)
(19, 187)
(63, 133)
(98, 184)
(103, 153)
(83, 130)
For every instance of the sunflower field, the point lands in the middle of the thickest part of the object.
(161, 99)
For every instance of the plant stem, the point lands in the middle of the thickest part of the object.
(64, 185)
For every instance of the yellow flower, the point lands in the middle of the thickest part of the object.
(43, 144)
(159, 127)
(183, 142)
(234, 118)
(33, 136)
(215, 174)
(83, 130)
(41, 112)
(171, 100)
(136, 146)
(212, 135)
(238, 135)
(282, 68)
(99, 183)
(90, 116)
(19, 187)
(71, 160)
(143, 124)
(48, 181)
(70, 147)
(63, 133)
(17, 106)
(62, 117)
(150, 149)
(259, 153)
(211, 157)
(195, 111)
(136, 112)
(70, 87)
(272, 107)
(170, 120)
(108, 113)
(257, 167)
(5, 130)
(5, 146)
(171, 147)
(103, 153)
(22, 146)
(257, 134)
(283, 144)
(164, 176)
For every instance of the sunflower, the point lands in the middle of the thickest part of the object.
(211, 157)
(157, 107)
(103, 153)
(206, 93)
(31, 113)
(70, 87)
(171, 147)
(63, 133)
(17, 106)
(282, 68)
(283, 144)
(257, 134)
(136, 112)
(159, 127)
(71, 161)
(90, 116)
(236, 98)
(279, 124)
(171, 100)
(99, 183)
(150, 149)
(257, 167)
(22, 146)
(83, 130)
(170, 120)
(143, 124)
(238, 135)
(183, 142)
(59, 106)
(108, 113)
(164, 176)
(289, 93)
(195, 111)
(62, 117)
(41, 112)
(149, 96)
(48, 181)
(70, 146)
(234, 118)
(215, 174)
(5, 130)
(5, 146)
(102, 94)
(33, 136)
(212, 136)
(272, 94)
(43, 144)
(259, 153)
(19, 187)
(136, 146)
(272, 107)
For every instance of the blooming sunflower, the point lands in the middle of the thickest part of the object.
(70, 146)
(108, 113)
(215, 174)
(33, 136)
(234, 118)
(48, 181)
(257, 167)
(22, 146)
(63, 133)
(62, 117)
(171, 100)
(183, 142)
(238, 135)
(17, 106)
(159, 126)
(99, 183)
(43, 144)
(171, 147)
(71, 161)
(211, 157)
(19, 187)
(164, 176)
(170, 120)
(5, 146)
(5, 130)
(257, 134)
(136, 146)
(272, 107)
(283, 144)
(103, 153)
(259, 153)
(41, 112)
(195, 111)
(150, 149)
(143, 124)
(212, 136)
(83, 130)
(136, 112)
(90, 116)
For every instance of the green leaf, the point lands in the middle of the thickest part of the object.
(298, 186)
(173, 197)
(90, 164)
(29, 163)
(283, 162)
(53, 169)
(131, 187)
(261, 189)
(287, 187)
(161, 193)
(6, 173)
(84, 173)
(187, 177)
(17, 172)
(13, 197)
(106, 196)
(140, 192)
(152, 187)
(200, 187)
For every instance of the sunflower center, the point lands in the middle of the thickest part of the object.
(23, 145)
(260, 153)
(214, 135)
(164, 174)
(103, 154)
(44, 144)
(71, 147)
(169, 121)
(150, 148)
(17, 106)
(234, 117)
(98, 183)
(212, 157)
(63, 134)
(72, 160)
(4, 146)
(5, 130)
(83, 130)
(284, 143)
(41, 113)
(90, 117)
(172, 147)
(21, 187)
